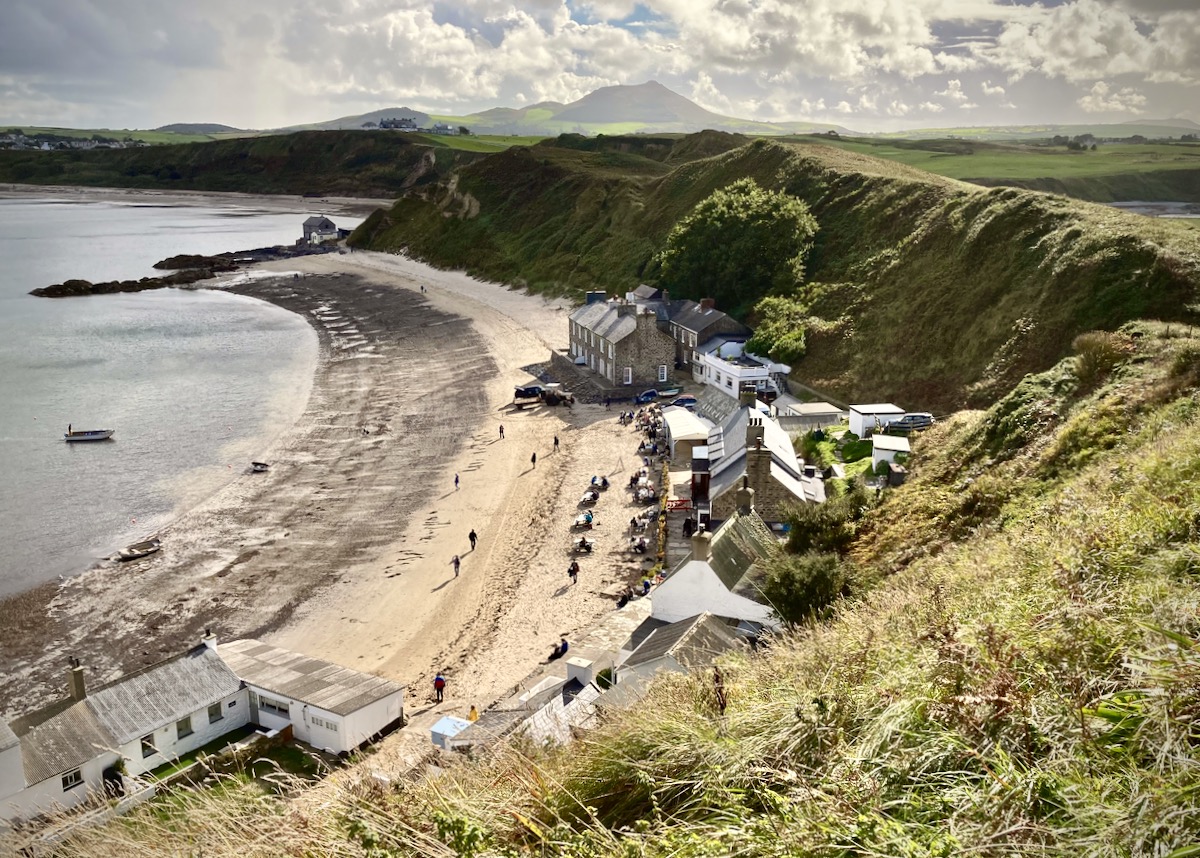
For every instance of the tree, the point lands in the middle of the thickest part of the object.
(738, 244)
(829, 526)
(799, 586)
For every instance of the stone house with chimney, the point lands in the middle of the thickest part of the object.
(692, 324)
(622, 344)
(89, 743)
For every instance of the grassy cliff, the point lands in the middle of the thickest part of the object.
(1024, 680)
(922, 289)
(350, 163)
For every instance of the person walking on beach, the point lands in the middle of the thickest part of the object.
(439, 686)
(573, 571)
(555, 443)
(533, 460)
(501, 431)
(472, 536)
(456, 482)
(455, 562)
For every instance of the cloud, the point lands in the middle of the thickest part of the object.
(953, 91)
(706, 94)
(988, 89)
(1102, 98)
(931, 107)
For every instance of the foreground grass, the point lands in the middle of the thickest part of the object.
(1025, 681)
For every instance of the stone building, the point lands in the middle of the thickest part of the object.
(622, 344)
(692, 324)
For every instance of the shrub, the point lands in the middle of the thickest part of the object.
(829, 526)
(800, 586)
(1097, 353)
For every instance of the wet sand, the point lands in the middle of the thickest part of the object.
(342, 549)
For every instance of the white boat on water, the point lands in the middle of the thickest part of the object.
(88, 434)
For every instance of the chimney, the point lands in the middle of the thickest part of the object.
(745, 497)
(702, 545)
(209, 640)
(754, 433)
(581, 669)
(747, 395)
(708, 304)
(75, 684)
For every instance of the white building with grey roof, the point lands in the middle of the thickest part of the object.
(87, 743)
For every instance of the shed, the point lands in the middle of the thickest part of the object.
(447, 727)
(806, 416)
(885, 447)
(684, 427)
(864, 418)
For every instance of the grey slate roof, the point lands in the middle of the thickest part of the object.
(573, 707)
(63, 743)
(693, 642)
(318, 221)
(604, 320)
(8, 738)
(739, 548)
(331, 687)
(690, 316)
(141, 702)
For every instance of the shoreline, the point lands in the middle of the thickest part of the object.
(342, 550)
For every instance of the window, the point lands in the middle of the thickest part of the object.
(610, 349)
(662, 372)
(274, 705)
(183, 727)
(72, 779)
(328, 725)
(148, 749)
(214, 713)
(627, 375)
(718, 378)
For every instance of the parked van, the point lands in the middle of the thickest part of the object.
(915, 422)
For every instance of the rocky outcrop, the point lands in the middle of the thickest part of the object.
(73, 288)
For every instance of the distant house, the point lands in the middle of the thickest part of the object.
(404, 123)
(865, 419)
(724, 363)
(884, 448)
(691, 323)
(319, 229)
(750, 444)
(88, 743)
(621, 343)
(806, 416)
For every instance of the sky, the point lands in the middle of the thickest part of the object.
(868, 65)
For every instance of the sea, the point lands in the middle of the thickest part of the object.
(196, 383)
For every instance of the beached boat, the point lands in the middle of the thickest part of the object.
(259, 467)
(88, 434)
(669, 392)
(140, 549)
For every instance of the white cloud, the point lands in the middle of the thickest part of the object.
(897, 108)
(706, 94)
(953, 91)
(843, 107)
(988, 89)
(1102, 98)
(931, 107)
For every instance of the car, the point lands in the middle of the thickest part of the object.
(687, 401)
(915, 422)
(646, 396)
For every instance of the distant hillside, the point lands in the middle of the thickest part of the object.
(1166, 123)
(650, 102)
(366, 164)
(356, 122)
(197, 128)
(929, 291)
(1150, 128)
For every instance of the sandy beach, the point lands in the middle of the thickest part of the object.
(343, 549)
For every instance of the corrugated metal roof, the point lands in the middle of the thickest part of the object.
(309, 680)
(141, 702)
(63, 743)
(814, 409)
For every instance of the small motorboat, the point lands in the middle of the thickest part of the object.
(259, 467)
(88, 434)
(140, 549)
(669, 392)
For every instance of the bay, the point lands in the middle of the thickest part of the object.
(195, 382)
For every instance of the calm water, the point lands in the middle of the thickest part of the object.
(194, 382)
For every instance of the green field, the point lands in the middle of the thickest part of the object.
(970, 160)
(153, 137)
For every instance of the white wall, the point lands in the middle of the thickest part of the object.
(49, 796)
(369, 720)
(861, 421)
(12, 772)
(171, 747)
(272, 720)
(878, 456)
(695, 588)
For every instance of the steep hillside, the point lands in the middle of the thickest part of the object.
(925, 290)
(361, 163)
(1024, 678)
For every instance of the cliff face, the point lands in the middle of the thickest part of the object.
(926, 290)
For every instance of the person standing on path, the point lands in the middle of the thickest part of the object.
(555, 443)
(533, 460)
(501, 431)
(439, 686)
(456, 482)
(573, 571)
(455, 562)
(472, 536)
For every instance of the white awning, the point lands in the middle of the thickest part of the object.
(683, 425)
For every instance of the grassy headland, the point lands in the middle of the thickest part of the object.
(1023, 680)
(342, 163)
(922, 289)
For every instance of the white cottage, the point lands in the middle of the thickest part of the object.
(866, 418)
(884, 448)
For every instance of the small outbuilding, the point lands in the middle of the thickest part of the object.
(447, 727)
(884, 448)
(865, 419)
